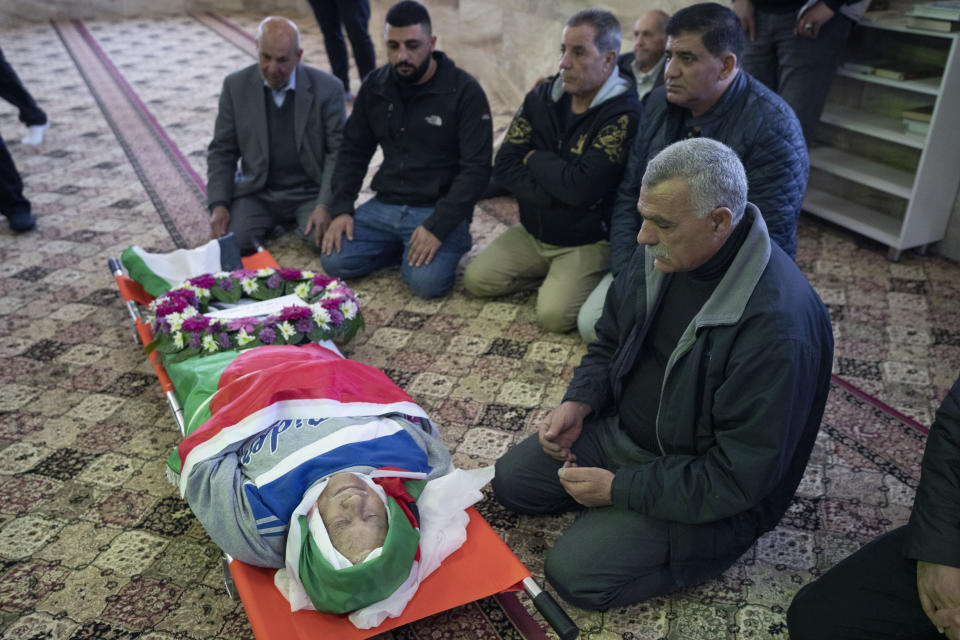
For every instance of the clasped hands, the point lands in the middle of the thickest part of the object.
(590, 486)
(939, 589)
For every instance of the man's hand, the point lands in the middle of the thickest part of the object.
(342, 224)
(808, 25)
(590, 486)
(423, 246)
(561, 428)
(318, 222)
(744, 10)
(938, 586)
(219, 221)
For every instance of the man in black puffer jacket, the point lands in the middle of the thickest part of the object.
(707, 94)
(563, 158)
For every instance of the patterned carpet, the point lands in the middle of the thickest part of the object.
(95, 544)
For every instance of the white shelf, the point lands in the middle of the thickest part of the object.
(871, 124)
(875, 175)
(853, 216)
(929, 86)
(900, 24)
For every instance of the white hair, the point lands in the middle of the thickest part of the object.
(290, 22)
(713, 172)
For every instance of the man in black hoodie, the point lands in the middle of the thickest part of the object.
(432, 121)
(562, 158)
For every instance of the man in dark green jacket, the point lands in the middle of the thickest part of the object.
(689, 422)
(562, 158)
(906, 583)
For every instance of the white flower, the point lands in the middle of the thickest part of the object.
(209, 344)
(176, 321)
(178, 340)
(320, 315)
(303, 289)
(250, 285)
(286, 329)
(348, 309)
(307, 274)
(221, 274)
(265, 273)
(243, 338)
(189, 312)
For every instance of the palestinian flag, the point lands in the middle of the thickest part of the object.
(232, 395)
(159, 272)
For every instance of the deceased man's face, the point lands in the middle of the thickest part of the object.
(354, 515)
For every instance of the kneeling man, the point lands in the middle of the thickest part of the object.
(689, 422)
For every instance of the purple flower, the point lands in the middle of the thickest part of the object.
(161, 325)
(224, 340)
(248, 324)
(205, 281)
(273, 281)
(336, 318)
(216, 326)
(294, 312)
(270, 321)
(196, 340)
(171, 305)
(243, 274)
(290, 274)
(316, 290)
(322, 280)
(304, 325)
(196, 323)
(225, 283)
(331, 304)
(268, 335)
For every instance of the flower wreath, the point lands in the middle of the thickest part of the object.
(181, 330)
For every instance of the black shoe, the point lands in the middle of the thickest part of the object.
(22, 222)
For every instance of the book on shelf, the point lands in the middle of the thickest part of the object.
(938, 10)
(923, 113)
(932, 24)
(915, 127)
(906, 71)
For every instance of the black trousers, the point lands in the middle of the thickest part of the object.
(12, 202)
(13, 91)
(870, 595)
(334, 16)
(611, 557)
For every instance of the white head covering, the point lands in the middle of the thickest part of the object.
(319, 531)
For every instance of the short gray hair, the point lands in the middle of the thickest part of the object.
(606, 28)
(712, 170)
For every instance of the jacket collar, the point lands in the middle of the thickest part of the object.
(615, 84)
(724, 104)
(728, 301)
(444, 79)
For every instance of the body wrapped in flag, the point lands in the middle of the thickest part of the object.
(284, 423)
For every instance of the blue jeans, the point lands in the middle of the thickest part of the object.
(381, 238)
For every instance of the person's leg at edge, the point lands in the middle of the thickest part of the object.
(574, 273)
(251, 221)
(13, 204)
(355, 15)
(375, 243)
(510, 263)
(760, 56)
(870, 595)
(435, 279)
(13, 91)
(806, 69)
(328, 17)
(592, 309)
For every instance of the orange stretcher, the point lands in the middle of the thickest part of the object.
(482, 567)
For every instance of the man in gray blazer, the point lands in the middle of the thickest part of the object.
(283, 122)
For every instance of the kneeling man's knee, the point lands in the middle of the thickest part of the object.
(555, 316)
(566, 572)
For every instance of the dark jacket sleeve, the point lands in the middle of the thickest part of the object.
(509, 170)
(332, 115)
(223, 152)
(759, 419)
(624, 219)
(933, 534)
(777, 168)
(475, 138)
(586, 178)
(356, 150)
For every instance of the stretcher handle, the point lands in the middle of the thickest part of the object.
(551, 611)
(114, 265)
